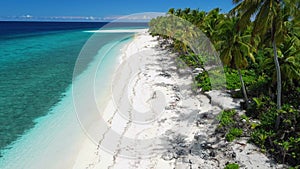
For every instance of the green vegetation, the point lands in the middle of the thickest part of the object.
(229, 125)
(232, 166)
(192, 60)
(226, 118)
(233, 134)
(282, 141)
(297, 167)
(203, 80)
(259, 45)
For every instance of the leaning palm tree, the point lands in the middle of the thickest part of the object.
(268, 21)
(235, 48)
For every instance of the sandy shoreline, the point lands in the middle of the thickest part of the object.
(149, 119)
(153, 120)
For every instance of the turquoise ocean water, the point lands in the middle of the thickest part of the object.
(36, 69)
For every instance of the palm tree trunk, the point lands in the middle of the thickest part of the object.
(277, 66)
(243, 88)
(278, 75)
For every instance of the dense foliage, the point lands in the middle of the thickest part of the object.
(259, 45)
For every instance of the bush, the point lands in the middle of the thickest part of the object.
(260, 136)
(226, 118)
(283, 140)
(233, 133)
(203, 81)
(259, 86)
(232, 79)
(192, 60)
(229, 125)
(293, 97)
(232, 166)
(259, 105)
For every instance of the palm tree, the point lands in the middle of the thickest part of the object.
(270, 16)
(210, 24)
(289, 59)
(171, 11)
(178, 13)
(197, 17)
(266, 21)
(235, 47)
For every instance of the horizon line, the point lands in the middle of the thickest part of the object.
(126, 18)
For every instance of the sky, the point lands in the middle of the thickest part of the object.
(100, 8)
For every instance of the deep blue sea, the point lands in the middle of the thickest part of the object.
(36, 67)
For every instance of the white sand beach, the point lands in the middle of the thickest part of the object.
(150, 118)
(154, 120)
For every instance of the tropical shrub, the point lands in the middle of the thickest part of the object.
(233, 134)
(232, 166)
(282, 141)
